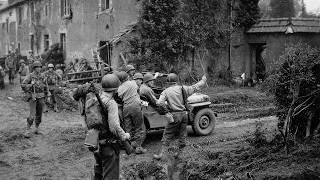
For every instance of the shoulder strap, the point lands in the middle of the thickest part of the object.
(184, 97)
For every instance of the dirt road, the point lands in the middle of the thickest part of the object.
(58, 152)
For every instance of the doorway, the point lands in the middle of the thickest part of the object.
(257, 62)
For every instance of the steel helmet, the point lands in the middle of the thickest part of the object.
(21, 61)
(129, 68)
(50, 65)
(36, 64)
(138, 76)
(148, 77)
(172, 78)
(110, 82)
(123, 76)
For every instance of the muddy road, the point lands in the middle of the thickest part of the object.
(58, 151)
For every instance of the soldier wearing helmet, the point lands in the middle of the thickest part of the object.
(107, 155)
(132, 113)
(52, 80)
(35, 85)
(131, 71)
(146, 92)
(10, 64)
(2, 74)
(138, 78)
(23, 70)
(175, 96)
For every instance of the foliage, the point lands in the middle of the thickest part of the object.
(54, 55)
(247, 14)
(282, 8)
(168, 29)
(297, 74)
(259, 138)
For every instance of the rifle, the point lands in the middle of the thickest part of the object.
(127, 146)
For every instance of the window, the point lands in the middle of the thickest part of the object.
(65, 8)
(31, 42)
(63, 42)
(105, 5)
(32, 11)
(46, 10)
(46, 42)
(20, 14)
(7, 24)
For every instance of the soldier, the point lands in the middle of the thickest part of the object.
(175, 99)
(145, 90)
(132, 113)
(52, 79)
(138, 78)
(35, 85)
(23, 70)
(107, 156)
(131, 71)
(10, 65)
(59, 70)
(2, 75)
(31, 59)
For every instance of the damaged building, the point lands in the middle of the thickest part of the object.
(80, 26)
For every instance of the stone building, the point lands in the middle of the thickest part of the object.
(80, 26)
(257, 50)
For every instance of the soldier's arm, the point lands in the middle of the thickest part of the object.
(162, 99)
(196, 87)
(114, 121)
(151, 97)
(26, 83)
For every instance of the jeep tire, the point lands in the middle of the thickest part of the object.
(204, 122)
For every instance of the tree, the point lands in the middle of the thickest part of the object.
(282, 8)
(247, 14)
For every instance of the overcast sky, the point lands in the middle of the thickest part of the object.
(312, 5)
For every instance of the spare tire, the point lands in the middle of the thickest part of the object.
(204, 122)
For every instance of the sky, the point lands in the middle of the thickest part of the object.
(312, 5)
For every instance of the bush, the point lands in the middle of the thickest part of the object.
(297, 74)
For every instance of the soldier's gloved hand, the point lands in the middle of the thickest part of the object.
(204, 78)
(126, 137)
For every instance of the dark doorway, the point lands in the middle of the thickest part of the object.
(260, 62)
(105, 51)
(257, 62)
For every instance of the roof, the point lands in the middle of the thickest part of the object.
(16, 3)
(128, 29)
(286, 25)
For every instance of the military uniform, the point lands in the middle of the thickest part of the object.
(52, 80)
(2, 75)
(132, 113)
(23, 71)
(34, 84)
(173, 96)
(11, 66)
(107, 156)
(147, 93)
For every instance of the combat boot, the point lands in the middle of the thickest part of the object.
(160, 155)
(36, 130)
(140, 150)
(27, 134)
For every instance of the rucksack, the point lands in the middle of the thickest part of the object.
(93, 112)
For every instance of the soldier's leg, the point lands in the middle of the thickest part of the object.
(168, 135)
(183, 130)
(110, 161)
(31, 118)
(39, 109)
(137, 119)
(97, 167)
(127, 123)
(53, 99)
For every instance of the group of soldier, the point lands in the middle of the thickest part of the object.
(123, 95)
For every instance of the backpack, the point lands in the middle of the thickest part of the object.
(93, 112)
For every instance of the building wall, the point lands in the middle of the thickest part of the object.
(83, 31)
(241, 60)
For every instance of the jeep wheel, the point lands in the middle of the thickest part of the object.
(204, 122)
